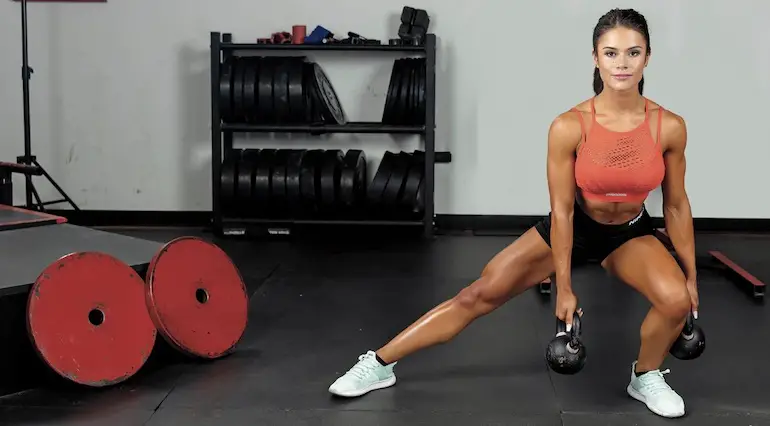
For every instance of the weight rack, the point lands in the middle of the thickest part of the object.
(222, 47)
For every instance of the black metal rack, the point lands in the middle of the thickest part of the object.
(222, 133)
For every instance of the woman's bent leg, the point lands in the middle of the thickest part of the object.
(521, 265)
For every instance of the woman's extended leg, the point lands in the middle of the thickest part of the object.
(646, 265)
(518, 267)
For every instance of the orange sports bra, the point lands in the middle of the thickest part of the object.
(619, 166)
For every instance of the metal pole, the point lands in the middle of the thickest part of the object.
(25, 75)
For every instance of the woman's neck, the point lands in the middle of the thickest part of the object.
(620, 102)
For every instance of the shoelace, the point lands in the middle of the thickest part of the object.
(654, 382)
(362, 368)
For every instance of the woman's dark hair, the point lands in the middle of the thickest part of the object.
(627, 18)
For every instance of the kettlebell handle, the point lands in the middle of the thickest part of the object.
(689, 325)
(561, 328)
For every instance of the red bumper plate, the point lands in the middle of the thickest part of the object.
(196, 298)
(88, 321)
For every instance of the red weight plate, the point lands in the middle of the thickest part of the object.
(87, 319)
(197, 298)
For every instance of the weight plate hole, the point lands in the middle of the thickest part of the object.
(96, 317)
(201, 295)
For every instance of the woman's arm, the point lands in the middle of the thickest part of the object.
(676, 205)
(563, 138)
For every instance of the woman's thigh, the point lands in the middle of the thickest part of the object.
(645, 264)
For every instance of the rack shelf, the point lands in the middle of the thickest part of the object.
(351, 127)
(222, 133)
(326, 47)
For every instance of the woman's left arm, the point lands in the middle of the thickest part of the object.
(676, 204)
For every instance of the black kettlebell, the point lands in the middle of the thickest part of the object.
(566, 354)
(691, 342)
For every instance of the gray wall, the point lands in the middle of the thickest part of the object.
(120, 96)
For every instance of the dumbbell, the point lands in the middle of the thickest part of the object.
(566, 353)
(691, 342)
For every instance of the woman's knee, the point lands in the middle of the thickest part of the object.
(485, 294)
(675, 303)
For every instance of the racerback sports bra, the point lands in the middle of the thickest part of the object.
(619, 166)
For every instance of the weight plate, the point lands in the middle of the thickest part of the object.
(377, 186)
(310, 179)
(265, 91)
(414, 94)
(196, 298)
(330, 103)
(278, 182)
(314, 95)
(250, 76)
(246, 169)
(87, 319)
(262, 179)
(421, 110)
(330, 177)
(228, 178)
(414, 176)
(239, 69)
(395, 185)
(282, 109)
(293, 180)
(226, 90)
(392, 95)
(296, 90)
(403, 93)
(353, 178)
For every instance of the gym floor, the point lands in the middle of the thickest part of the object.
(315, 308)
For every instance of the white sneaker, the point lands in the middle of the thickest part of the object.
(367, 375)
(651, 388)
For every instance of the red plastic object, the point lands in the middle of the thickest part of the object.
(298, 33)
(87, 319)
(197, 298)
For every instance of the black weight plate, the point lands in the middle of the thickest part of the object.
(250, 76)
(281, 107)
(395, 185)
(262, 179)
(353, 178)
(297, 104)
(391, 98)
(419, 209)
(238, 73)
(228, 178)
(414, 177)
(310, 179)
(278, 182)
(247, 165)
(265, 91)
(226, 90)
(380, 180)
(294, 179)
(403, 94)
(330, 103)
(313, 96)
(330, 177)
(422, 109)
(414, 108)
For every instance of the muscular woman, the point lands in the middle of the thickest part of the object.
(604, 156)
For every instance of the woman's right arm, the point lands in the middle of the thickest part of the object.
(563, 138)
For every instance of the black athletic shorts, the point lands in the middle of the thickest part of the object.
(593, 241)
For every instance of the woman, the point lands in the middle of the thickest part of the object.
(604, 157)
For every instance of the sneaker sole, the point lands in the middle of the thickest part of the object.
(382, 384)
(639, 397)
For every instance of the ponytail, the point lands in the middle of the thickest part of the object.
(599, 84)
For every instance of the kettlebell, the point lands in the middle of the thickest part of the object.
(691, 342)
(566, 354)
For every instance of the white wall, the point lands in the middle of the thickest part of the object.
(120, 96)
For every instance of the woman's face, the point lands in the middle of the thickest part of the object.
(621, 58)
